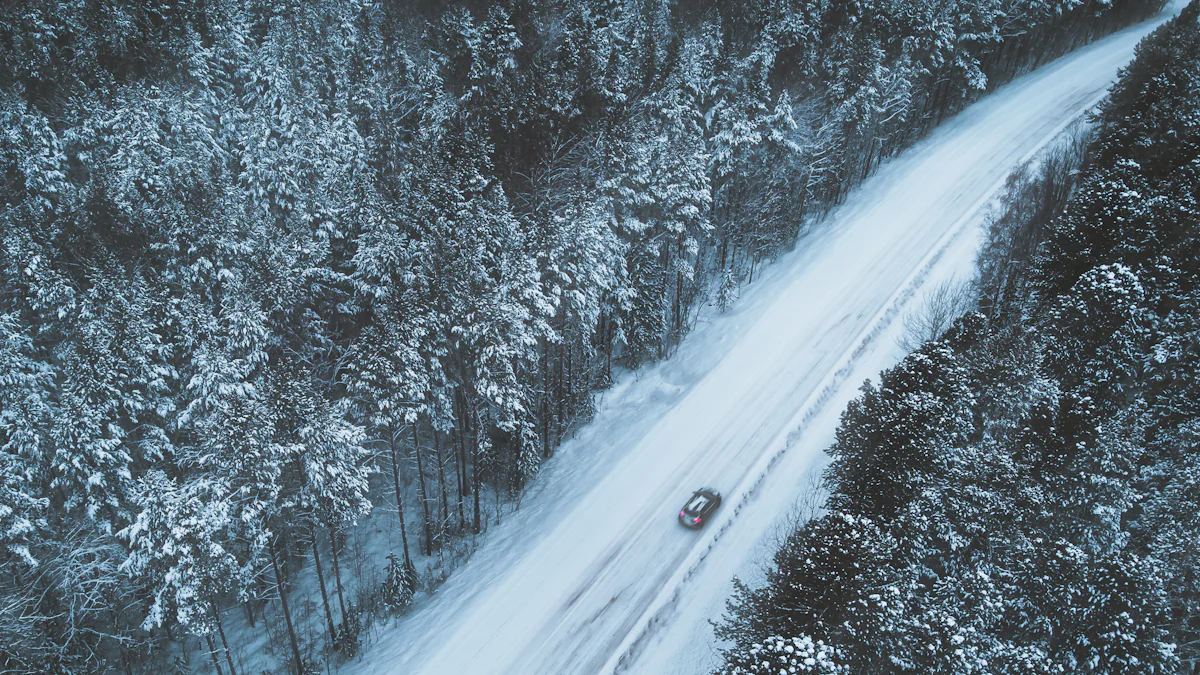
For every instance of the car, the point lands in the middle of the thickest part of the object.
(699, 508)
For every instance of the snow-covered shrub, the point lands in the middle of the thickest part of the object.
(780, 656)
(397, 590)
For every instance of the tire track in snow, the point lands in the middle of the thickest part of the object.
(553, 606)
(665, 601)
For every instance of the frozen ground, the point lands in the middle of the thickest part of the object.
(593, 574)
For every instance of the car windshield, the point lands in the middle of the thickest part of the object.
(697, 504)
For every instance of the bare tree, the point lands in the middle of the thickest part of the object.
(936, 312)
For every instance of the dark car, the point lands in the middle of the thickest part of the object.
(699, 508)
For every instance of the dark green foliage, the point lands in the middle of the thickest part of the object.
(1031, 201)
(822, 577)
(398, 588)
(1033, 473)
(644, 324)
(895, 438)
(1140, 196)
(243, 243)
(348, 639)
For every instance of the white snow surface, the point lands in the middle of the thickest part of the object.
(593, 574)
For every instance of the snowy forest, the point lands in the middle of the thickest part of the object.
(269, 268)
(1022, 495)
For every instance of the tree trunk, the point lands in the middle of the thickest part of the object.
(460, 472)
(120, 646)
(546, 398)
(221, 632)
(471, 437)
(460, 457)
(337, 572)
(287, 613)
(476, 483)
(437, 449)
(870, 156)
(608, 347)
(212, 654)
(677, 318)
(424, 494)
(560, 415)
(570, 390)
(399, 497)
(321, 582)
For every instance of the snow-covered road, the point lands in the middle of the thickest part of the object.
(594, 573)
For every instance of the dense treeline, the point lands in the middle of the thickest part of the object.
(1022, 495)
(265, 264)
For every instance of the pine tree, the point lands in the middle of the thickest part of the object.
(899, 435)
(237, 242)
(25, 399)
(398, 586)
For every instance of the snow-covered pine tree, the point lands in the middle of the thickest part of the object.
(662, 206)
(189, 189)
(1043, 527)
(398, 585)
(900, 434)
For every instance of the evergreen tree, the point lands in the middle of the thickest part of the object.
(898, 436)
(1032, 475)
(240, 243)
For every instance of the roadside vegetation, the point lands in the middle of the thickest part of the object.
(1021, 494)
(296, 297)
